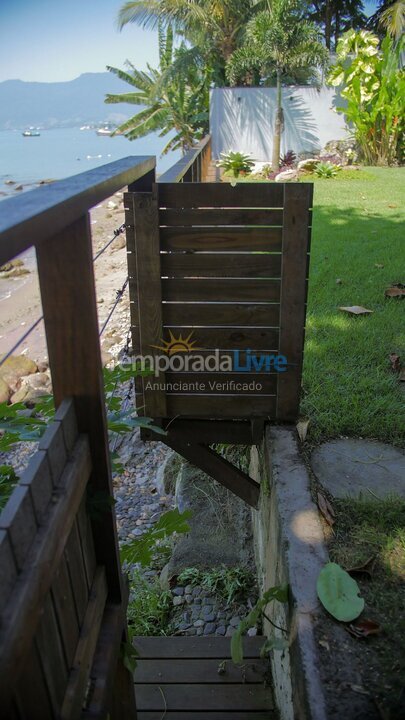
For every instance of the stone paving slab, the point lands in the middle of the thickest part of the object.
(353, 468)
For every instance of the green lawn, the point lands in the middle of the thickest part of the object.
(348, 386)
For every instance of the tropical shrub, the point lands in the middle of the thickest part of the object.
(236, 162)
(373, 84)
(288, 159)
(326, 170)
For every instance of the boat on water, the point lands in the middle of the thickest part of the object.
(104, 131)
(31, 133)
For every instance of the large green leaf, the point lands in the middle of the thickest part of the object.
(339, 593)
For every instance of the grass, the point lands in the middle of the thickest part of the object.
(348, 388)
(149, 607)
(230, 583)
(364, 530)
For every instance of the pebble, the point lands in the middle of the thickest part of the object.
(199, 623)
(221, 630)
(209, 628)
(178, 601)
(178, 591)
(235, 621)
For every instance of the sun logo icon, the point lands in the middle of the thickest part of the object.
(177, 345)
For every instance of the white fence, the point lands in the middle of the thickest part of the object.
(242, 119)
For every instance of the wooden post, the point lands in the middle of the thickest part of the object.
(297, 217)
(65, 270)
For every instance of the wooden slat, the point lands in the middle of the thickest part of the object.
(22, 613)
(49, 644)
(204, 697)
(220, 383)
(216, 239)
(218, 265)
(86, 542)
(65, 609)
(181, 168)
(31, 694)
(199, 671)
(225, 406)
(133, 280)
(227, 290)
(206, 431)
(225, 217)
(231, 338)
(18, 519)
(79, 674)
(77, 572)
(205, 314)
(194, 648)
(66, 415)
(298, 200)
(8, 568)
(213, 194)
(215, 715)
(149, 286)
(53, 443)
(37, 477)
(75, 362)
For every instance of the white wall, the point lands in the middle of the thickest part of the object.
(242, 119)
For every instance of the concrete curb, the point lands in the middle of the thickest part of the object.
(290, 549)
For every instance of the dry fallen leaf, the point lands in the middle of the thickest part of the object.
(364, 628)
(356, 310)
(325, 644)
(395, 361)
(302, 429)
(397, 290)
(364, 569)
(326, 508)
(339, 281)
(378, 265)
(392, 205)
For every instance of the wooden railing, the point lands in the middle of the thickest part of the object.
(193, 166)
(62, 598)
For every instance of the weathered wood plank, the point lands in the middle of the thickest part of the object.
(87, 543)
(224, 406)
(263, 195)
(18, 519)
(230, 338)
(31, 696)
(206, 431)
(75, 361)
(133, 280)
(194, 648)
(214, 715)
(66, 415)
(65, 609)
(49, 644)
(22, 613)
(199, 671)
(225, 217)
(204, 697)
(220, 383)
(80, 671)
(218, 265)
(218, 468)
(8, 568)
(77, 572)
(177, 172)
(228, 290)
(149, 287)
(53, 443)
(234, 314)
(298, 200)
(223, 238)
(37, 477)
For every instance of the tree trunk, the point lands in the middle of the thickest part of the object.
(328, 24)
(277, 126)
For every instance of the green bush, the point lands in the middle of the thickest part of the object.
(236, 162)
(326, 170)
(148, 608)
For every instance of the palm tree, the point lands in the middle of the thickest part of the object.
(336, 17)
(278, 40)
(173, 101)
(213, 26)
(392, 18)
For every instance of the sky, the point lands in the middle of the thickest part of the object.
(58, 40)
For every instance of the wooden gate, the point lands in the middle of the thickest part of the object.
(219, 270)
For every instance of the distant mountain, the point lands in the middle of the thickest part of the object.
(61, 104)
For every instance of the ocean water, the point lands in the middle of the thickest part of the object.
(59, 153)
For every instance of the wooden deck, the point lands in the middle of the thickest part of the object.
(187, 678)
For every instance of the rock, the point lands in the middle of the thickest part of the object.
(209, 617)
(9, 182)
(230, 631)
(119, 243)
(11, 264)
(164, 577)
(16, 367)
(308, 165)
(167, 475)
(188, 589)
(178, 601)
(199, 623)
(286, 176)
(106, 358)
(4, 391)
(112, 205)
(184, 626)
(178, 591)
(235, 621)
(19, 187)
(43, 366)
(188, 598)
(32, 387)
(221, 630)
(252, 632)
(209, 628)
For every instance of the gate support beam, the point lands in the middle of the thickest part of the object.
(221, 470)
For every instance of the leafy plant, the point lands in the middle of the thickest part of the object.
(148, 608)
(289, 159)
(339, 593)
(143, 548)
(274, 643)
(8, 481)
(326, 170)
(373, 84)
(236, 162)
(227, 582)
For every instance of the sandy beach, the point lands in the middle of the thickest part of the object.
(20, 300)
